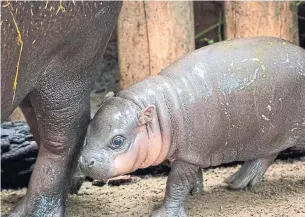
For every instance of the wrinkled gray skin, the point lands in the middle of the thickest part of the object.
(53, 87)
(239, 100)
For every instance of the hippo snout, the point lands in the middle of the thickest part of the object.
(85, 163)
(94, 167)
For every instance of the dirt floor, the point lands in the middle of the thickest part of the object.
(281, 193)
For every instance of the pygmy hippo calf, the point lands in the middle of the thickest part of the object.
(239, 100)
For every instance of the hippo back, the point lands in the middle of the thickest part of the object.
(39, 36)
(237, 96)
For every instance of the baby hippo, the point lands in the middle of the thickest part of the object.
(238, 100)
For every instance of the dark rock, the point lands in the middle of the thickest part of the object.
(20, 124)
(6, 125)
(18, 154)
(17, 138)
(5, 144)
(5, 132)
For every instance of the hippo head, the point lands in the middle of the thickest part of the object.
(117, 140)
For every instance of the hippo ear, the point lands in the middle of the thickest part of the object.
(107, 96)
(146, 115)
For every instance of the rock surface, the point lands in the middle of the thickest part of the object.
(18, 154)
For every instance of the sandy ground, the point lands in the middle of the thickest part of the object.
(281, 193)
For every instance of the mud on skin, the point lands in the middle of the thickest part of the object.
(57, 44)
(239, 100)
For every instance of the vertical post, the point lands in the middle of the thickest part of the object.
(151, 35)
(261, 18)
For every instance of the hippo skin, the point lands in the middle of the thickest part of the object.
(239, 100)
(61, 40)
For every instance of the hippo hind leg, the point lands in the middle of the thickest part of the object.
(198, 188)
(250, 173)
(30, 116)
(29, 113)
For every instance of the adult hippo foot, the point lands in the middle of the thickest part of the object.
(170, 212)
(26, 208)
(250, 173)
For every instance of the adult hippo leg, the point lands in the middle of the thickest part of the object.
(62, 119)
(61, 102)
(29, 113)
(30, 117)
(179, 183)
(250, 173)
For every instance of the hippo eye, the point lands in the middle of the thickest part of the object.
(117, 141)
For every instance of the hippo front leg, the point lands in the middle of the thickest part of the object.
(198, 187)
(181, 180)
(250, 173)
